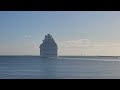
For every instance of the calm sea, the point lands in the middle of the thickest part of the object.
(34, 67)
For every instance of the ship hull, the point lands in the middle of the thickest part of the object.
(49, 56)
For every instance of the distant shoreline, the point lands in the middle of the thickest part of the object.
(101, 57)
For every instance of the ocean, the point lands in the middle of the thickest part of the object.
(35, 67)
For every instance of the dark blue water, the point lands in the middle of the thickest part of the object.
(34, 67)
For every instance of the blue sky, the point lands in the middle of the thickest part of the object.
(76, 32)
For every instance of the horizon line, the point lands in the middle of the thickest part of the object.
(70, 55)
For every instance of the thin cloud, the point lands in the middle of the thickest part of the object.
(88, 47)
(75, 43)
(87, 43)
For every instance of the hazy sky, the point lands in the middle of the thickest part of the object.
(76, 32)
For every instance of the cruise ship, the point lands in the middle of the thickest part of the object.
(49, 47)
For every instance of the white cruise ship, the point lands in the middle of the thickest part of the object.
(49, 47)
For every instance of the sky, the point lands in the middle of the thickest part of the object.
(75, 32)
